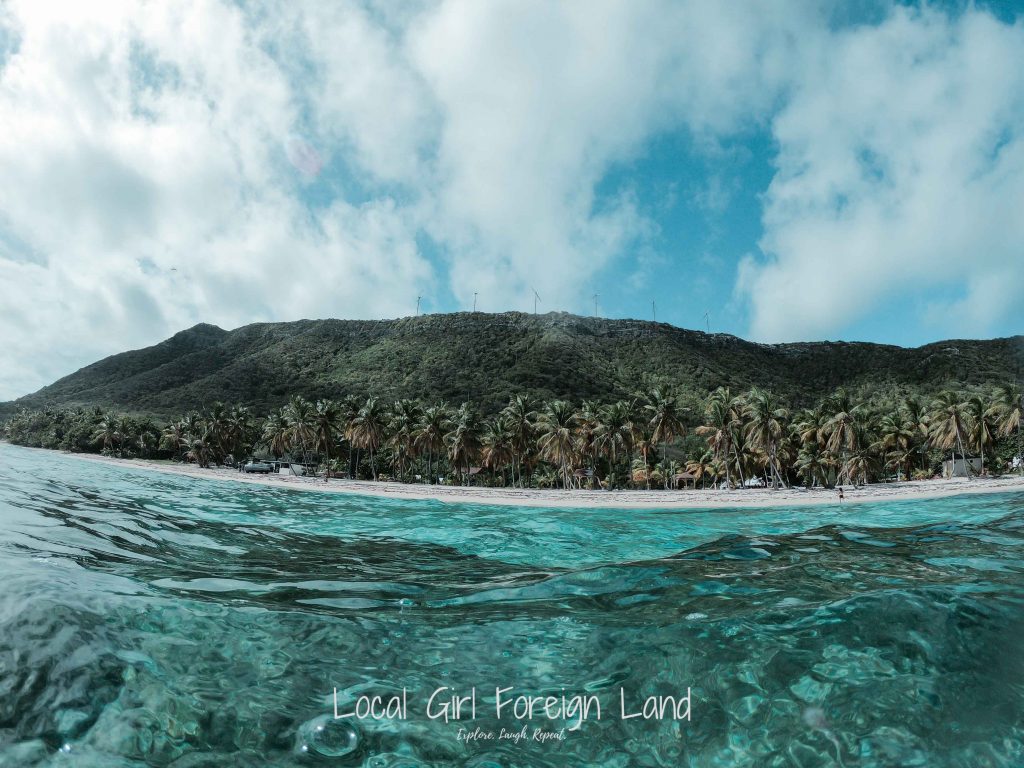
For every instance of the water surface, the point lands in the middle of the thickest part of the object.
(149, 619)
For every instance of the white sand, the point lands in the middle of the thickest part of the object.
(751, 497)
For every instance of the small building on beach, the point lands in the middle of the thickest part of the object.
(961, 467)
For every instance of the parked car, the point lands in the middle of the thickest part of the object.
(258, 466)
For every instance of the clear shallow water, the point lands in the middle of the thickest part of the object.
(147, 619)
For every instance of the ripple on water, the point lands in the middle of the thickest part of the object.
(166, 621)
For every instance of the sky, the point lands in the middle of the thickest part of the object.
(781, 171)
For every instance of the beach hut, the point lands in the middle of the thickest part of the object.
(685, 480)
(961, 467)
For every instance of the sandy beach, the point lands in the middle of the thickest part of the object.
(530, 497)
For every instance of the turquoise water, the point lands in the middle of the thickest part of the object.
(147, 619)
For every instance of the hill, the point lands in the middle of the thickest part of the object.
(485, 358)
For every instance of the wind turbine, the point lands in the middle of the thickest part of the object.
(536, 298)
(596, 313)
(654, 310)
(474, 301)
(707, 322)
(418, 305)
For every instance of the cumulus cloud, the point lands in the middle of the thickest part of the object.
(166, 164)
(900, 172)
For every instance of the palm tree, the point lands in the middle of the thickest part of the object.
(840, 433)
(642, 440)
(557, 427)
(812, 464)
(463, 440)
(707, 464)
(108, 431)
(198, 451)
(218, 427)
(917, 415)
(720, 423)
(238, 428)
(369, 429)
(588, 432)
(766, 427)
(327, 426)
(519, 415)
(127, 429)
(948, 420)
(146, 443)
(301, 416)
(614, 433)
(896, 433)
(192, 424)
(174, 438)
(980, 428)
(350, 406)
(1008, 410)
(665, 422)
(497, 444)
(277, 432)
(430, 434)
(405, 419)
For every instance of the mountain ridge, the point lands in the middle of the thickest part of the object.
(485, 358)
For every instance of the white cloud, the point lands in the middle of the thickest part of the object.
(166, 164)
(147, 188)
(900, 172)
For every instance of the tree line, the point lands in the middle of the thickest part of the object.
(651, 440)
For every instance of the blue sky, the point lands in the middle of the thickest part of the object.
(796, 170)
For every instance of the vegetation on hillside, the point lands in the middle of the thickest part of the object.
(488, 359)
(649, 440)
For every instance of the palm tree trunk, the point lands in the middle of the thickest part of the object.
(664, 460)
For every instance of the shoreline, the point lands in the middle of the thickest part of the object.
(625, 499)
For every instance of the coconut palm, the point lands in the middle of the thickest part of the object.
(218, 429)
(198, 451)
(664, 420)
(840, 430)
(463, 441)
(327, 425)
(896, 436)
(948, 423)
(301, 416)
(917, 414)
(497, 443)
(238, 428)
(642, 440)
(430, 434)
(108, 431)
(277, 432)
(519, 416)
(192, 424)
(614, 433)
(1008, 411)
(405, 419)
(128, 431)
(721, 421)
(369, 429)
(174, 438)
(812, 464)
(980, 427)
(588, 432)
(556, 426)
(705, 466)
(146, 442)
(766, 428)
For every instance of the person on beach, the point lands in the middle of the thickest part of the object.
(841, 497)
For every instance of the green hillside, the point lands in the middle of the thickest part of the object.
(485, 358)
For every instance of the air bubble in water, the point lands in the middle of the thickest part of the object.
(328, 737)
